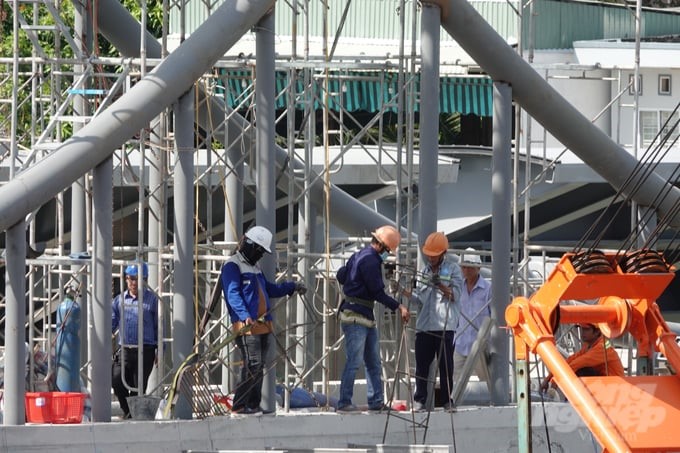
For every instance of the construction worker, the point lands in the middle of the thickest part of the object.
(474, 308)
(362, 285)
(437, 295)
(596, 357)
(125, 316)
(247, 293)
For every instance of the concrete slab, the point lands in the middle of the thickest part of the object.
(487, 429)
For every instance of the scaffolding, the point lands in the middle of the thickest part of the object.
(51, 92)
(65, 87)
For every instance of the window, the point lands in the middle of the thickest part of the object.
(631, 87)
(653, 121)
(649, 126)
(669, 124)
(664, 84)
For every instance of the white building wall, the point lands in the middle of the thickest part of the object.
(649, 100)
(587, 88)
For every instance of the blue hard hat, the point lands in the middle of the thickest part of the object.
(131, 270)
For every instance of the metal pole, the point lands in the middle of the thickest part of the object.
(100, 333)
(182, 301)
(429, 119)
(636, 212)
(233, 227)
(15, 283)
(83, 33)
(265, 203)
(501, 204)
(156, 235)
(15, 321)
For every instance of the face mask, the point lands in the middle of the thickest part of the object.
(251, 252)
(384, 255)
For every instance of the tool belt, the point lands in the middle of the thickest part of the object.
(352, 317)
(256, 328)
(364, 302)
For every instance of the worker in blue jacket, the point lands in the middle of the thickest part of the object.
(247, 294)
(362, 285)
(126, 310)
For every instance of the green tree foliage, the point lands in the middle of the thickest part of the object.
(52, 43)
(55, 47)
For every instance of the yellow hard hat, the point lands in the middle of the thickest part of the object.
(435, 244)
(389, 236)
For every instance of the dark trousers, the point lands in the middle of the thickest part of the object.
(429, 345)
(248, 392)
(129, 370)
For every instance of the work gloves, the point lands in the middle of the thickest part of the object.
(300, 288)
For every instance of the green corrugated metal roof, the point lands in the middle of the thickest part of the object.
(369, 91)
(558, 23)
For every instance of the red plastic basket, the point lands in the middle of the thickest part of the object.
(54, 407)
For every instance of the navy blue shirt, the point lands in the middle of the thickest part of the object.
(362, 278)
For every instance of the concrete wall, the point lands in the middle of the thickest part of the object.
(488, 429)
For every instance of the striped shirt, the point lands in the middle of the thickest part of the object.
(128, 334)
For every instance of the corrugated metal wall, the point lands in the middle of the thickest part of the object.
(366, 19)
(500, 14)
(557, 23)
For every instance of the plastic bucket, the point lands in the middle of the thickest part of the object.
(143, 407)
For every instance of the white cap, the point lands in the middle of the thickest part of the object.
(469, 259)
(261, 236)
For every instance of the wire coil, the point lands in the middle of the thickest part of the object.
(643, 261)
(591, 262)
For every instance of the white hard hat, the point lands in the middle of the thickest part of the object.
(261, 236)
(470, 259)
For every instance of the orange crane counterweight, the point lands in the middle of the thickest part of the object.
(624, 288)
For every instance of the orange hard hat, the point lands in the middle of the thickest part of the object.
(436, 244)
(389, 236)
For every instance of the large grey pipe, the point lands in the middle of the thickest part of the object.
(501, 211)
(349, 214)
(15, 320)
(109, 130)
(183, 300)
(545, 104)
(100, 331)
(429, 119)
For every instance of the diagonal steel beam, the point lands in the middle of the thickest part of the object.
(97, 140)
(555, 113)
(355, 218)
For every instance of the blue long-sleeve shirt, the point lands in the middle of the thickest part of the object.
(435, 313)
(128, 336)
(240, 283)
(362, 278)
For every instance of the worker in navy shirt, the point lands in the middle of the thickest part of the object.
(125, 318)
(362, 285)
(247, 293)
